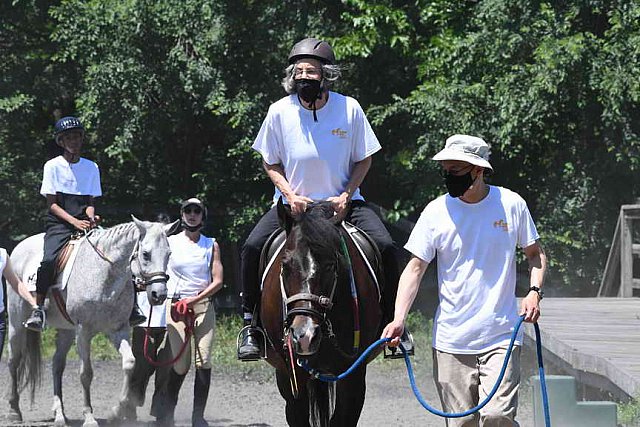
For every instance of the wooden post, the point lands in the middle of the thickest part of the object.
(609, 287)
(626, 253)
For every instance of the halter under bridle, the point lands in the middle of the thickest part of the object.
(141, 280)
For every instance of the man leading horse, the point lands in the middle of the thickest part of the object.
(316, 145)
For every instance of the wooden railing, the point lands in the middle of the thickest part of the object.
(618, 279)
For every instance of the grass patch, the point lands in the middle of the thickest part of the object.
(224, 347)
(629, 413)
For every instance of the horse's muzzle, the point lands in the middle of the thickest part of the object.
(157, 293)
(305, 336)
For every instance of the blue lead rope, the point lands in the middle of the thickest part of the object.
(543, 387)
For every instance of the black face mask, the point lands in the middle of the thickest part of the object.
(191, 228)
(308, 89)
(457, 185)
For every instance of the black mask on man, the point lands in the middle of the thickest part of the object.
(308, 89)
(458, 184)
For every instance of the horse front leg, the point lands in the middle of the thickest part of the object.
(125, 409)
(350, 394)
(83, 339)
(296, 409)
(64, 340)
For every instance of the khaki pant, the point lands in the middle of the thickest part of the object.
(203, 333)
(464, 380)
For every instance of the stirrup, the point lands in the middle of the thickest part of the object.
(262, 351)
(406, 339)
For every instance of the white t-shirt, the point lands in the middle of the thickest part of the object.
(3, 264)
(475, 245)
(81, 178)
(317, 157)
(157, 312)
(189, 265)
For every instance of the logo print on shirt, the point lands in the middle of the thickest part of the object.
(501, 224)
(342, 134)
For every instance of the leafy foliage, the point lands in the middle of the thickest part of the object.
(173, 94)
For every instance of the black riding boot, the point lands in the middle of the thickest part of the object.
(251, 345)
(165, 418)
(200, 394)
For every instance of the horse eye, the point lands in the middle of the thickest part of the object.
(146, 255)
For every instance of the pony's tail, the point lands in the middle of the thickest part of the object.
(322, 402)
(29, 370)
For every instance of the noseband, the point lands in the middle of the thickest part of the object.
(140, 279)
(322, 302)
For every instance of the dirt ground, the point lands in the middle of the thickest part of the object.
(242, 399)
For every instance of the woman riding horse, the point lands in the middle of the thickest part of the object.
(316, 295)
(316, 145)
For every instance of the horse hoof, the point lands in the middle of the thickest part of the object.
(13, 417)
(60, 422)
(122, 412)
(90, 423)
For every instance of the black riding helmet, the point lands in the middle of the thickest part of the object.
(312, 48)
(65, 124)
(194, 202)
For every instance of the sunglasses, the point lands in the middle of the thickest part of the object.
(195, 210)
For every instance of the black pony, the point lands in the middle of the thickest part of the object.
(315, 297)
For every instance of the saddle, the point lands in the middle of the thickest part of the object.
(64, 263)
(363, 242)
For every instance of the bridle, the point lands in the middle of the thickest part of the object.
(141, 279)
(318, 305)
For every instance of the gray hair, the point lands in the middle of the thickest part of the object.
(330, 74)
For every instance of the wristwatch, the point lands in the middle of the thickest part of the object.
(537, 290)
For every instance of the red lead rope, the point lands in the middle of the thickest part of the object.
(183, 313)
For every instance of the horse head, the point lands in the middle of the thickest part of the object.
(150, 258)
(311, 266)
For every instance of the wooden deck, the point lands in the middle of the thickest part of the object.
(597, 340)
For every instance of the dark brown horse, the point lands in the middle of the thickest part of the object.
(308, 311)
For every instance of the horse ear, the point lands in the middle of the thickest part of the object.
(284, 215)
(140, 224)
(171, 229)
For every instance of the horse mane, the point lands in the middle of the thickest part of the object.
(319, 233)
(111, 235)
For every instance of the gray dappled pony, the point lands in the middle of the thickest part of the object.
(99, 298)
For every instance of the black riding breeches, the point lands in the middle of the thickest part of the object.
(56, 236)
(250, 259)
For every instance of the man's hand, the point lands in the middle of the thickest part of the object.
(530, 307)
(340, 204)
(393, 330)
(298, 203)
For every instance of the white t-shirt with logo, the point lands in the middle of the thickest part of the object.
(189, 267)
(317, 157)
(3, 264)
(81, 178)
(475, 245)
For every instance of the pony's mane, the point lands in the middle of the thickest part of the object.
(318, 233)
(117, 232)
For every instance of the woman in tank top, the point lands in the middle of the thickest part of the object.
(195, 275)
